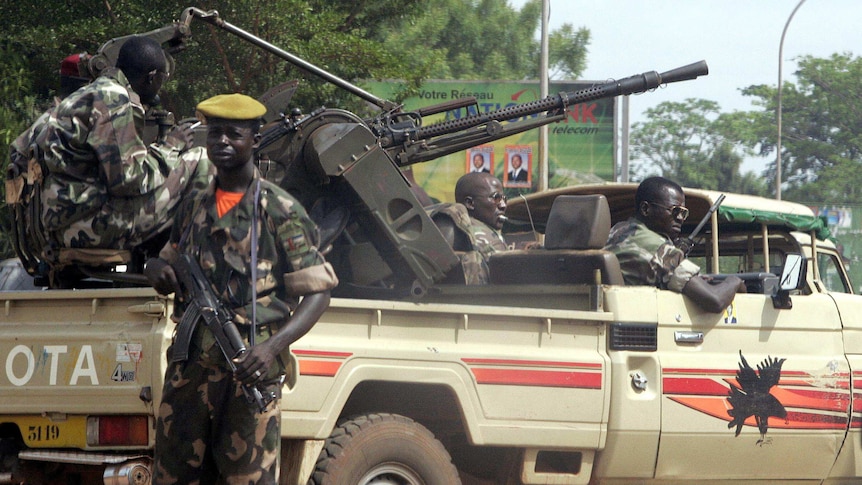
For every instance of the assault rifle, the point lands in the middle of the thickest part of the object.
(203, 304)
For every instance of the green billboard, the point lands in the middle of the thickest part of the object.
(580, 147)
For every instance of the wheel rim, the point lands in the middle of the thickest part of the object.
(391, 474)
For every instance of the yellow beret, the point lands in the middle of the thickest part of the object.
(231, 107)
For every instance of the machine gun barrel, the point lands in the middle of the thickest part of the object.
(402, 135)
(630, 85)
(413, 144)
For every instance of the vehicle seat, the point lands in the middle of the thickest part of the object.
(576, 232)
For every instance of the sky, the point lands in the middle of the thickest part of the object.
(739, 40)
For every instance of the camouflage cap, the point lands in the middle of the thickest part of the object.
(231, 107)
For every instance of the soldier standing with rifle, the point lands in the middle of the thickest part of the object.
(220, 412)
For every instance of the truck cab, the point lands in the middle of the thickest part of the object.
(761, 384)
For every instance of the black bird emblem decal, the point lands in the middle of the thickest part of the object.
(752, 397)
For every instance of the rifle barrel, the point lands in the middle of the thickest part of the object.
(706, 217)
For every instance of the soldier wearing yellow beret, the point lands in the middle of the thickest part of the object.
(231, 107)
(282, 296)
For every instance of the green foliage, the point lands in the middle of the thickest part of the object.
(334, 36)
(568, 52)
(339, 36)
(17, 109)
(486, 39)
(821, 129)
(821, 139)
(695, 145)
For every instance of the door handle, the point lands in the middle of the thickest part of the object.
(688, 337)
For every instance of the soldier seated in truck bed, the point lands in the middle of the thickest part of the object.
(471, 225)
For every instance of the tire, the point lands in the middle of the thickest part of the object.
(383, 449)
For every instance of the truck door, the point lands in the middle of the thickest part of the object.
(834, 280)
(754, 392)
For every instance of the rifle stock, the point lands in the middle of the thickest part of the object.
(204, 305)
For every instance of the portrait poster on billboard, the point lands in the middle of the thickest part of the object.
(519, 161)
(580, 147)
(480, 159)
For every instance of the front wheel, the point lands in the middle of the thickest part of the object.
(383, 449)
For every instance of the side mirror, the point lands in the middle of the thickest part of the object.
(792, 278)
(793, 273)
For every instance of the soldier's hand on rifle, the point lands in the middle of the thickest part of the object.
(254, 365)
(162, 277)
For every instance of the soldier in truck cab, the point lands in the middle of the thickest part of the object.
(472, 224)
(644, 246)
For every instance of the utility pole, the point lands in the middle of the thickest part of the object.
(778, 108)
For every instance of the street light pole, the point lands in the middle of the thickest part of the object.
(778, 109)
(543, 93)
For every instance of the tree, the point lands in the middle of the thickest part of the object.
(695, 145)
(821, 129)
(486, 39)
(336, 35)
(568, 52)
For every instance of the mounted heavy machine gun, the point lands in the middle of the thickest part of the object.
(336, 162)
(346, 169)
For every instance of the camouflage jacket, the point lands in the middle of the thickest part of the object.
(93, 151)
(288, 262)
(648, 258)
(484, 241)
(24, 148)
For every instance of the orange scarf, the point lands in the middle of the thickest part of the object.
(226, 201)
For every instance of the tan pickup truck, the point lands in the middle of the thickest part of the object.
(552, 374)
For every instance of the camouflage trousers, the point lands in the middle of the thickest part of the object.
(207, 432)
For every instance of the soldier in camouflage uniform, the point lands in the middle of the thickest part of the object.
(24, 166)
(472, 223)
(205, 425)
(644, 245)
(103, 187)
